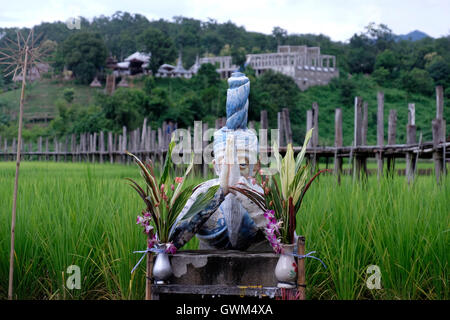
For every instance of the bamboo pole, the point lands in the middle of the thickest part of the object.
(380, 132)
(16, 180)
(301, 276)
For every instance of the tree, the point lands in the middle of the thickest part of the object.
(84, 53)
(126, 107)
(387, 60)
(417, 81)
(206, 76)
(361, 55)
(279, 34)
(238, 56)
(159, 45)
(68, 94)
(439, 70)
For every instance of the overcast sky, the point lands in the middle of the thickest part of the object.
(337, 19)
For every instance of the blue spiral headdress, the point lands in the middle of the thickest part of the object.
(237, 101)
(237, 110)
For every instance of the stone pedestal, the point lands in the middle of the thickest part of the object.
(207, 274)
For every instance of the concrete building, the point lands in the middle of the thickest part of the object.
(307, 66)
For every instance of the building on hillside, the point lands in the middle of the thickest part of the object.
(95, 83)
(306, 65)
(136, 63)
(178, 71)
(33, 74)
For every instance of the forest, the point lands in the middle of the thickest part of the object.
(372, 59)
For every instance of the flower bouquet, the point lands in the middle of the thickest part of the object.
(164, 199)
(285, 186)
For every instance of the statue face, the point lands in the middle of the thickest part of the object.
(244, 165)
(237, 148)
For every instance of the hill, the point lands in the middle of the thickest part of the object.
(412, 36)
(44, 96)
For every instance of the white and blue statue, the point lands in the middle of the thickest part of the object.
(231, 221)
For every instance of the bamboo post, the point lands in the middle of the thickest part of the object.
(143, 135)
(198, 147)
(123, 146)
(102, 146)
(410, 139)
(204, 145)
(301, 276)
(110, 147)
(264, 122)
(160, 146)
(16, 179)
(314, 123)
(338, 142)
(94, 146)
(281, 137)
(357, 139)
(287, 123)
(148, 276)
(437, 134)
(363, 160)
(5, 148)
(55, 149)
(315, 116)
(440, 116)
(392, 127)
(380, 132)
(40, 148)
(309, 125)
(66, 141)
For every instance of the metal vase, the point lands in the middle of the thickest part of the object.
(162, 269)
(286, 269)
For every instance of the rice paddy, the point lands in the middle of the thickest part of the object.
(85, 214)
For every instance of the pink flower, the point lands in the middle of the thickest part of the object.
(178, 179)
(170, 248)
(162, 187)
(172, 187)
(152, 241)
(272, 230)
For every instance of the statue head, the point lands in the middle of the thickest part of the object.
(235, 135)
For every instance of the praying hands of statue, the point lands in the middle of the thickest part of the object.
(230, 167)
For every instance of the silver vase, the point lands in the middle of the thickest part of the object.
(162, 269)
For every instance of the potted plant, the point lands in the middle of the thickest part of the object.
(164, 198)
(284, 185)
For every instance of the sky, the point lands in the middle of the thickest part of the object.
(337, 19)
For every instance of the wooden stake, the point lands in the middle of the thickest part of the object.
(338, 142)
(380, 132)
(16, 179)
(301, 276)
(357, 139)
(392, 127)
(148, 276)
(410, 139)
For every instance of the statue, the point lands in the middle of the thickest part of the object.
(231, 221)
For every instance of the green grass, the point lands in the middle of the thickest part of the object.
(41, 96)
(85, 214)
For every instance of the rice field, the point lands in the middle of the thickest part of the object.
(84, 214)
